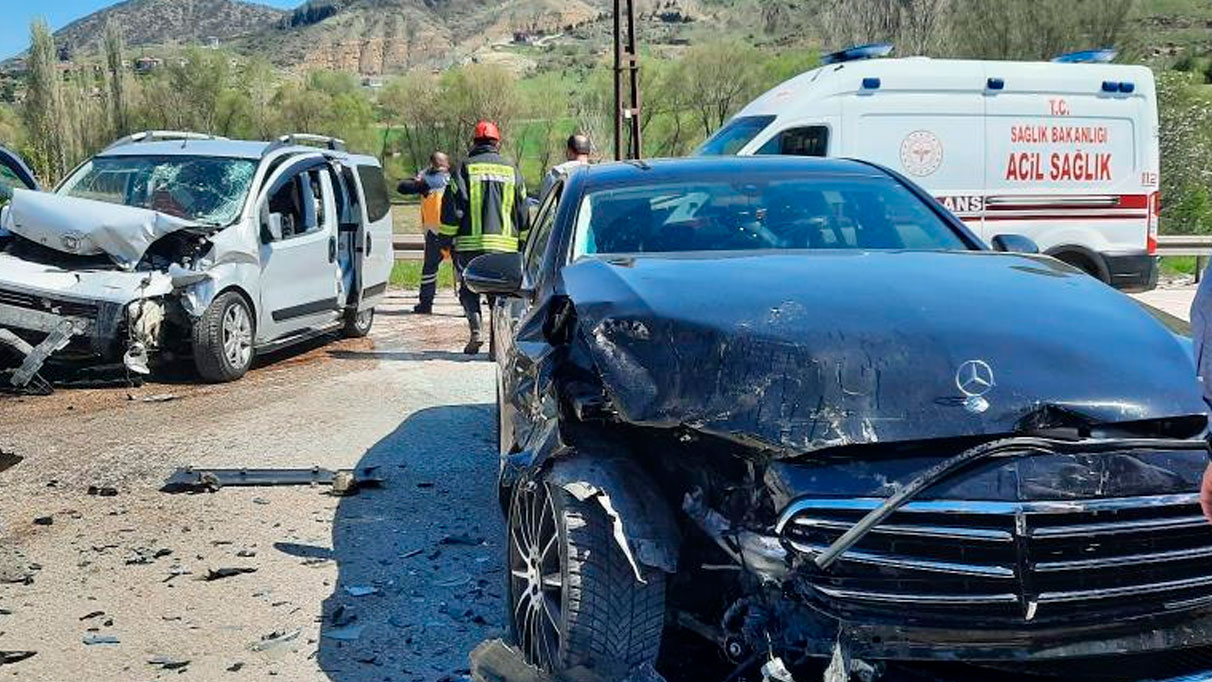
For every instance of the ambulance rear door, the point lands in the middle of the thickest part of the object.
(1066, 155)
(925, 119)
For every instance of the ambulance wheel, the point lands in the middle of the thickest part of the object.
(1085, 263)
(357, 325)
(223, 339)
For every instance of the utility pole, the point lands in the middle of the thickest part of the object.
(626, 83)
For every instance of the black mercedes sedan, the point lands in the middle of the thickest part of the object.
(796, 407)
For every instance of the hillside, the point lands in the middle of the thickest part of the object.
(383, 36)
(160, 22)
(378, 37)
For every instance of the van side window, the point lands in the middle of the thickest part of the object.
(374, 185)
(805, 141)
(300, 202)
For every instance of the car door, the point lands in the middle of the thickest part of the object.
(376, 256)
(514, 364)
(300, 277)
(14, 173)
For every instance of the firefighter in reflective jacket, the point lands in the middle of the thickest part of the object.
(484, 210)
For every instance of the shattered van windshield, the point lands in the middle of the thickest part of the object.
(856, 213)
(206, 190)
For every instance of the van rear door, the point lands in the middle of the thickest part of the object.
(924, 119)
(1068, 153)
(376, 255)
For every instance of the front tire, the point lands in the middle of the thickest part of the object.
(223, 339)
(573, 596)
(358, 324)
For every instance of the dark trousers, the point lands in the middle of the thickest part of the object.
(469, 299)
(429, 270)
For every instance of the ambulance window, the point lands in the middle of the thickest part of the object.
(806, 141)
(733, 137)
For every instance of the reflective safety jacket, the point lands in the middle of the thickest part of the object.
(484, 208)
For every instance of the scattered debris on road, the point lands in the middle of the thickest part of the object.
(191, 480)
(361, 590)
(102, 491)
(221, 573)
(144, 555)
(12, 657)
(93, 640)
(271, 641)
(8, 460)
(348, 633)
(168, 663)
(157, 398)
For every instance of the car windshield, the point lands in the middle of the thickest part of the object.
(856, 213)
(206, 190)
(730, 139)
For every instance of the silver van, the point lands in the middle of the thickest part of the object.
(174, 244)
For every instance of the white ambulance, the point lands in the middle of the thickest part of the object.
(1065, 153)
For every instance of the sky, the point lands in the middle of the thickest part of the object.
(15, 16)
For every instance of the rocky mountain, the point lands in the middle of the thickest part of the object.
(381, 36)
(163, 22)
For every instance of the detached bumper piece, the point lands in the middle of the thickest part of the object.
(25, 376)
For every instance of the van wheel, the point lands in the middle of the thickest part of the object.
(223, 339)
(573, 597)
(357, 325)
(1084, 263)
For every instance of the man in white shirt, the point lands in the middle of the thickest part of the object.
(576, 153)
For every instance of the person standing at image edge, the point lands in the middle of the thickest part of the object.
(483, 211)
(430, 184)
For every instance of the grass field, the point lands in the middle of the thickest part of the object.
(407, 275)
(1178, 265)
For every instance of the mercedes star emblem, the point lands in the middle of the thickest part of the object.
(974, 379)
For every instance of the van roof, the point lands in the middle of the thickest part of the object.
(945, 74)
(221, 148)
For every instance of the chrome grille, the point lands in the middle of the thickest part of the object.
(1010, 563)
(48, 305)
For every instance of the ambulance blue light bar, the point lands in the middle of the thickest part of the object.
(858, 52)
(1104, 55)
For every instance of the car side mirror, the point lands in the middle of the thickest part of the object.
(499, 274)
(1014, 243)
(271, 228)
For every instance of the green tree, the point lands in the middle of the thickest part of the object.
(714, 80)
(116, 77)
(1185, 143)
(43, 113)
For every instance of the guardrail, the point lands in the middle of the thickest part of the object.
(1196, 245)
(410, 246)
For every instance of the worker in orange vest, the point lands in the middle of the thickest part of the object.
(430, 184)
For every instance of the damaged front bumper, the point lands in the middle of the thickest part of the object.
(1080, 552)
(108, 316)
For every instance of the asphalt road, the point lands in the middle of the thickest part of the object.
(130, 568)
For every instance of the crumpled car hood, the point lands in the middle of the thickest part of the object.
(799, 352)
(88, 228)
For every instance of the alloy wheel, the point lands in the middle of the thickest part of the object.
(536, 580)
(237, 336)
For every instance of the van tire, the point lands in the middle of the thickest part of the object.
(358, 325)
(1084, 262)
(223, 339)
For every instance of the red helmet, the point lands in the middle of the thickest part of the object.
(487, 130)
